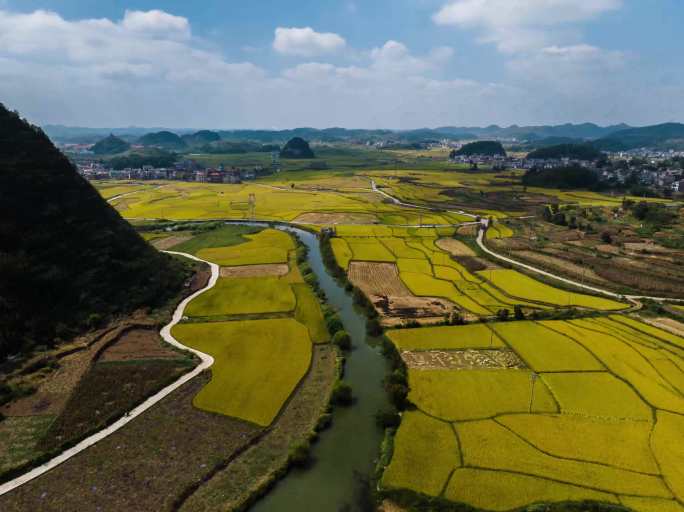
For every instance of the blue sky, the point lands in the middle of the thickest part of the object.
(380, 63)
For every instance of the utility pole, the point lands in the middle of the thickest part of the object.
(533, 379)
(252, 206)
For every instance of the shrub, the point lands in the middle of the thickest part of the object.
(606, 237)
(300, 454)
(373, 327)
(387, 418)
(342, 340)
(502, 314)
(518, 312)
(342, 393)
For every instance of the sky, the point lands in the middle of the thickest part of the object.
(398, 64)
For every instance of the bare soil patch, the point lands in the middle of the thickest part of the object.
(275, 269)
(470, 230)
(336, 218)
(166, 243)
(647, 247)
(137, 344)
(468, 359)
(454, 247)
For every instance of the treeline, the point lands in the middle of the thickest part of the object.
(574, 151)
(237, 148)
(137, 160)
(68, 261)
(573, 176)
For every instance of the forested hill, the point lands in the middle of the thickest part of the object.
(574, 151)
(67, 259)
(481, 147)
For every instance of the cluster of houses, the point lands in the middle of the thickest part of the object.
(664, 179)
(187, 170)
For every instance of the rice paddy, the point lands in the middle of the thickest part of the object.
(593, 418)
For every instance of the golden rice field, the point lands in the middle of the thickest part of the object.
(597, 415)
(265, 348)
(428, 270)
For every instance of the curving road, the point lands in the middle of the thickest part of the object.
(206, 362)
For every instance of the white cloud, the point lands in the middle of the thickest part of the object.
(306, 42)
(156, 22)
(148, 70)
(515, 25)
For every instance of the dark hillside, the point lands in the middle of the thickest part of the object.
(574, 151)
(481, 147)
(67, 259)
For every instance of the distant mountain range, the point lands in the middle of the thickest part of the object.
(611, 138)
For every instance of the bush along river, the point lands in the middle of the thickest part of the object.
(344, 456)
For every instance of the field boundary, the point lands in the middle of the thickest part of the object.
(206, 362)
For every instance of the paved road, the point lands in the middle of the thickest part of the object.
(206, 362)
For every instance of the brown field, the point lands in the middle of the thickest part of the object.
(562, 265)
(467, 230)
(273, 269)
(467, 359)
(166, 243)
(142, 467)
(377, 279)
(336, 218)
(392, 299)
(137, 343)
(667, 324)
(454, 247)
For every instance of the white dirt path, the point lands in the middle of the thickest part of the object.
(206, 362)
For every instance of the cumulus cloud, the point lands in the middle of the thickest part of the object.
(147, 69)
(306, 42)
(515, 25)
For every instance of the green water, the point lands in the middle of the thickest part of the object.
(350, 447)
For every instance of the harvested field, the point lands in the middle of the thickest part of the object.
(667, 324)
(168, 242)
(274, 269)
(470, 230)
(454, 247)
(143, 467)
(377, 279)
(468, 359)
(105, 392)
(336, 218)
(413, 307)
(137, 344)
(477, 335)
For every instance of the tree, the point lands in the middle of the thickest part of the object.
(518, 312)
(342, 340)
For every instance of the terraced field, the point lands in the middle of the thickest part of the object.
(431, 265)
(597, 415)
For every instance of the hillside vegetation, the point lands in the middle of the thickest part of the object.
(481, 147)
(164, 139)
(573, 151)
(110, 146)
(67, 259)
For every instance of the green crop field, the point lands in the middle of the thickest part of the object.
(308, 312)
(258, 364)
(342, 252)
(267, 246)
(240, 296)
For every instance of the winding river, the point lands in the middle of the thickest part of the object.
(346, 452)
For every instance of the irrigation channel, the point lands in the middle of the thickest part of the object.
(344, 454)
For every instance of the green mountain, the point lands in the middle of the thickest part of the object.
(67, 258)
(201, 138)
(660, 136)
(110, 146)
(297, 148)
(481, 147)
(574, 151)
(164, 140)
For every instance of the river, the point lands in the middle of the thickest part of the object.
(351, 445)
